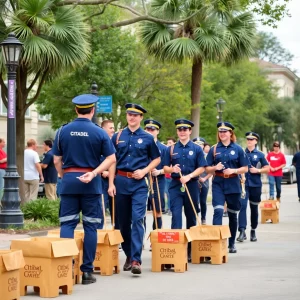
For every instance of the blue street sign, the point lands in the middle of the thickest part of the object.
(104, 105)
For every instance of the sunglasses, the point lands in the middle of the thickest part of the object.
(275, 145)
(182, 129)
(150, 129)
(250, 139)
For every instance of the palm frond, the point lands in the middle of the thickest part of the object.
(211, 39)
(180, 49)
(241, 35)
(155, 36)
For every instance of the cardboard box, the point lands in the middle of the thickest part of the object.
(11, 261)
(269, 211)
(77, 259)
(48, 265)
(210, 241)
(169, 247)
(107, 252)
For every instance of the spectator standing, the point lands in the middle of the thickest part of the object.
(3, 165)
(277, 162)
(296, 163)
(49, 171)
(32, 171)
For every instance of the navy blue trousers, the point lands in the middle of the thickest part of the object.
(253, 194)
(298, 182)
(203, 192)
(233, 207)
(131, 201)
(70, 207)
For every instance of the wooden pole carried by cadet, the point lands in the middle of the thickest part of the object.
(159, 200)
(191, 201)
(153, 201)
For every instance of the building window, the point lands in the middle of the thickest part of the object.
(44, 117)
(3, 109)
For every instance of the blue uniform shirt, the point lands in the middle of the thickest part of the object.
(296, 161)
(231, 156)
(162, 150)
(81, 144)
(189, 157)
(257, 159)
(134, 149)
(50, 173)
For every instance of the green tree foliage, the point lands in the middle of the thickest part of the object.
(219, 32)
(269, 11)
(111, 66)
(247, 93)
(269, 48)
(55, 40)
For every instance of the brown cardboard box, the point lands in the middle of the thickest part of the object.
(107, 252)
(11, 261)
(269, 210)
(77, 259)
(48, 265)
(210, 241)
(169, 246)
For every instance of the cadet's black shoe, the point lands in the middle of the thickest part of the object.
(127, 266)
(225, 214)
(168, 266)
(136, 268)
(242, 236)
(232, 249)
(88, 278)
(189, 257)
(253, 236)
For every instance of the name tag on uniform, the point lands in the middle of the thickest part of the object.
(121, 141)
(174, 153)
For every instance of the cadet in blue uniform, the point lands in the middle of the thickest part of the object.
(226, 160)
(203, 184)
(153, 128)
(109, 128)
(187, 158)
(258, 165)
(137, 155)
(79, 145)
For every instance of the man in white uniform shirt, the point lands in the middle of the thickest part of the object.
(32, 171)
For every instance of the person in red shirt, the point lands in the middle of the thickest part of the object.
(277, 162)
(3, 165)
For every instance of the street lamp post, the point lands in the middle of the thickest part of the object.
(94, 91)
(220, 107)
(10, 213)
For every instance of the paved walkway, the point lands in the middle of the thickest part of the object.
(268, 269)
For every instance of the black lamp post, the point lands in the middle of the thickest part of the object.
(94, 91)
(10, 213)
(279, 132)
(220, 107)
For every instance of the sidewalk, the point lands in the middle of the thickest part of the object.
(268, 269)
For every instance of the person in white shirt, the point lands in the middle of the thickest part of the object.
(32, 171)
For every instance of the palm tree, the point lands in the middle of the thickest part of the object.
(218, 32)
(55, 40)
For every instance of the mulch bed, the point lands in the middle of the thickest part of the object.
(26, 231)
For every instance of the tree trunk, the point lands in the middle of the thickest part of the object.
(20, 119)
(195, 95)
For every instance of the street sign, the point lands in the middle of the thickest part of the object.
(104, 105)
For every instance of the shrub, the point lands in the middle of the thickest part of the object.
(42, 209)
